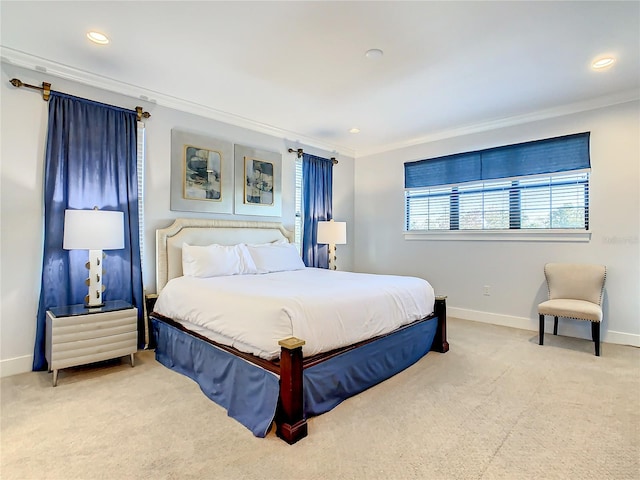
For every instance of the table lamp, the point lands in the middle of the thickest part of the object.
(94, 230)
(332, 233)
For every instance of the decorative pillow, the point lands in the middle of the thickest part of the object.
(216, 260)
(275, 257)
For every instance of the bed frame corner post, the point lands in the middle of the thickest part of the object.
(291, 424)
(440, 343)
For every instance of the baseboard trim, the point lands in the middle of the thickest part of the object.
(575, 329)
(622, 338)
(14, 366)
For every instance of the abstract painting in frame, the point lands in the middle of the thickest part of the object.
(258, 175)
(201, 173)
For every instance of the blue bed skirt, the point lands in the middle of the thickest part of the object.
(250, 393)
(329, 383)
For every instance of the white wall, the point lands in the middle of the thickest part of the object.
(23, 132)
(514, 270)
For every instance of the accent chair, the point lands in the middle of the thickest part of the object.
(575, 291)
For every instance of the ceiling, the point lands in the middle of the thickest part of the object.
(298, 69)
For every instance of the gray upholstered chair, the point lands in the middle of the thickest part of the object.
(575, 291)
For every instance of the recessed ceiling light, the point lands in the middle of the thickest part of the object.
(603, 62)
(374, 53)
(97, 37)
(354, 130)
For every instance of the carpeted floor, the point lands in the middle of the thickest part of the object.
(496, 406)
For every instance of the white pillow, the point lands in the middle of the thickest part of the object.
(275, 242)
(275, 257)
(216, 260)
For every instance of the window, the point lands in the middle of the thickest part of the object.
(298, 222)
(541, 185)
(140, 150)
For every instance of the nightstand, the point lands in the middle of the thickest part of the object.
(150, 302)
(76, 335)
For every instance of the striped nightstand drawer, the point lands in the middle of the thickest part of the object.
(77, 336)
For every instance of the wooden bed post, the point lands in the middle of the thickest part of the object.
(440, 343)
(291, 425)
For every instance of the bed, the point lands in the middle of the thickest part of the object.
(206, 325)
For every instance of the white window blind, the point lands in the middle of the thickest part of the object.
(298, 222)
(140, 150)
(558, 201)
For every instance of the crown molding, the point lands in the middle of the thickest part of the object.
(38, 64)
(66, 72)
(568, 109)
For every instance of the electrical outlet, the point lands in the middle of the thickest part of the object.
(486, 290)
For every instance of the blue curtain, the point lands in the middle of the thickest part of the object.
(317, 187)
(90, 162)
(551, 155)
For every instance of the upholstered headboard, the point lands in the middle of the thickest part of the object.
(197, 231)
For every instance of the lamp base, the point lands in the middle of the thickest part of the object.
(92, 305)
(332, 257)
(94, 282)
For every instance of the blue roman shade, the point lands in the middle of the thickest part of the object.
(552, 155)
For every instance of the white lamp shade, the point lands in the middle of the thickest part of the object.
(93, 230)
(334, 233)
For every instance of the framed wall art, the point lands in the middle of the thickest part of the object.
(201, 173)
(258, 178)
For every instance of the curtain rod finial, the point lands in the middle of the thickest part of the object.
(299, 151)
(46, 87)
(142, 114)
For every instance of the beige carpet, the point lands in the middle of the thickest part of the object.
(496, 406)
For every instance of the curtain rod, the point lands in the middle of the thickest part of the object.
(46, 93)
(299, 152)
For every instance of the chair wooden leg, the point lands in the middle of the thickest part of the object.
(541, 329)
(555, 325)
(595, 334)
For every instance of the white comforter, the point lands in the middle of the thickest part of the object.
(328, 309)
